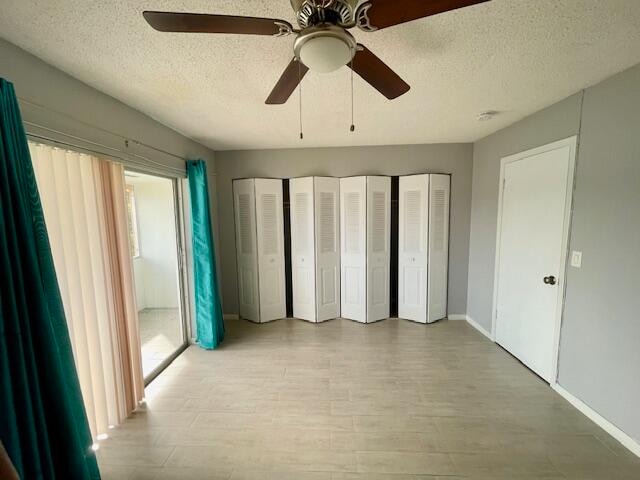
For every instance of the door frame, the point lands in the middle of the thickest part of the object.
(572, 143)
(184, 286)
(179, 188)
(185, 234)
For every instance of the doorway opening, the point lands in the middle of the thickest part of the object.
(155, 240)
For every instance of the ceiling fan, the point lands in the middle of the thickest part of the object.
(322, 43)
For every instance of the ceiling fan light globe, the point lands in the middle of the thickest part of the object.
(325, 54)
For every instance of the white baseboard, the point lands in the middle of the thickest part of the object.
(231, 316)
(631, 444)
(480, 328)
(472, 322)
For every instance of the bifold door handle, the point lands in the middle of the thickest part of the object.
(550, 280)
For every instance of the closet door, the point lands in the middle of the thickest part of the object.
(327, 227)
(246, 249)
(413, 220)
(378, 247)
(270, 233)
(353, 204)
(302, 248)
(440, 188)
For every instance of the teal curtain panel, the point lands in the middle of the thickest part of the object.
(209, 321)
(43, 424)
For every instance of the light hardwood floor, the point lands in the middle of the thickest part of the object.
(344, 401)
(160, 336)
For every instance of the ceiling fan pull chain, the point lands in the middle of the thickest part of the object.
(300, 97)
(353, 126)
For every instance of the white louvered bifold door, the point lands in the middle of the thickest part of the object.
(353, 248)
(246, 249)
(378, 247)
(302, 248)
(327, 240)
(439, 194)
(270, 233)
(413, 222)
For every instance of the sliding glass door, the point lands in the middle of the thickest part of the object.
(155, 237)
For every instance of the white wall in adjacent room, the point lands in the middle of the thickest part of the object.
(156, 269)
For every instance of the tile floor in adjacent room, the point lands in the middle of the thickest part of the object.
(393, 400)
(160, 335)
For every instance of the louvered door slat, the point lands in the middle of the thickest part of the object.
(412, 221)
(328, 225)
(353, 222)
(379, 222)
(270, 225)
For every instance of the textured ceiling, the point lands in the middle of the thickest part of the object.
(513, 56)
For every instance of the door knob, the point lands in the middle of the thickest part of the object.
(550, 280)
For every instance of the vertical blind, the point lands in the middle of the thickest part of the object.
(83, 211)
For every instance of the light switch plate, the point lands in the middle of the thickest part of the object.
(576, 259)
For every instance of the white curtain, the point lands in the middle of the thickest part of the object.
(75, 198)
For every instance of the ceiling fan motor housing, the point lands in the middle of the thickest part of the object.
(314, 12)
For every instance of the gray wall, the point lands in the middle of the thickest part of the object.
(600, 343)
(600, 337)
(339, 162)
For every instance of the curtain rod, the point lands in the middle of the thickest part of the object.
(135, 167)
(134, 141)
(118, 154)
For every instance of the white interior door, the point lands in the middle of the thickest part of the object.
(413, 217)
(302, 248)
(532, 243)
(439, 195)
(327, 227)
(270, 229)
(378, 247)
(353, 206)
(246, 249)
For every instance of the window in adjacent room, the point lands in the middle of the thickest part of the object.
(132, 221)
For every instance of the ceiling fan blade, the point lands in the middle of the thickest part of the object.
(378, 14)
(204, 23)
(288, 82)
(378, 74)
